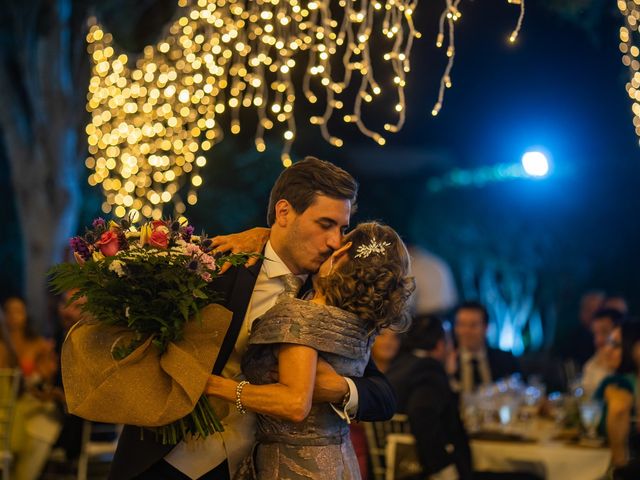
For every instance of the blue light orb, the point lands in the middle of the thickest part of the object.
(535, 164)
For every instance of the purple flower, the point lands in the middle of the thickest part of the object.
(99, 222)
(187, 232)
(80, 247)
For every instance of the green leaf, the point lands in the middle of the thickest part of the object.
(199, 294)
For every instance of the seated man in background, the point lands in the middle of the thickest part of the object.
(597, 368)
(477, 364)
(424, 394)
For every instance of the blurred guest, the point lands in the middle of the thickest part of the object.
(8, 357)
(36, 422)
(616, 302)
(69, 312)
(385, 348)
(425, 395)
(28, 346)
(577, 344)
(620, 394)
(598, 366)
(477, 363)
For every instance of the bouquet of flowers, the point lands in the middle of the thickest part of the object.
(151, 335)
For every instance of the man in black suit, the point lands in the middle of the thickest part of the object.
(319, 198)
(477, 363)
(425, 396)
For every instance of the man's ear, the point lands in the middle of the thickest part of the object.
(283, 210)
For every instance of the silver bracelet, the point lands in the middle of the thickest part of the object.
(239, 405)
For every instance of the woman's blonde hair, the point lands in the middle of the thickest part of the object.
(374, 283)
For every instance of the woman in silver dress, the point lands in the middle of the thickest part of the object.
(362, 287)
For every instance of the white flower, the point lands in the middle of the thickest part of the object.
(117, 266)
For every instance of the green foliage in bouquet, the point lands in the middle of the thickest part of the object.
(150, 281)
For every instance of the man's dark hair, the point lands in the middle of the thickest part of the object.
(474, 305)
(616, 316)
(425, 333)
(630, 333)
(300, 183)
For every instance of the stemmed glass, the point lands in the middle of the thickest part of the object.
(590, 415)
(507, 411)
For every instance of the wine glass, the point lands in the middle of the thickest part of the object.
(590, 415)
(557, 407)
(507, 411)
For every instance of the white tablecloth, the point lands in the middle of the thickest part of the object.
(553, 460)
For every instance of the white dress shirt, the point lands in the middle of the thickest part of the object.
(196, 457)
(466, 369)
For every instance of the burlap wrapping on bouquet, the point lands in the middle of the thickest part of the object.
(145, 388)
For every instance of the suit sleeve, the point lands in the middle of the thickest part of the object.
(376, 397)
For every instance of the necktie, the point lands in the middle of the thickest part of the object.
(292, 285)
(475, 370)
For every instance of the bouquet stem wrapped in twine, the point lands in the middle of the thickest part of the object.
(147, 388)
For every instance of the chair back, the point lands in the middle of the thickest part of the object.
(99, 442)
(401, 457)
(377, 434)
(9, 386)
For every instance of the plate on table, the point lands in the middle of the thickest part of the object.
(569, 435)
(500, 436)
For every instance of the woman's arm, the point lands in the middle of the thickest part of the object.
(289, 399)
(619, 404)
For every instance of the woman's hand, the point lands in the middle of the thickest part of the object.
(329, 386)
(249, 241)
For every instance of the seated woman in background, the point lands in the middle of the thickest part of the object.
(29, 347)
(620, 395)
(37, 417)
(598, 366)
(8, 358)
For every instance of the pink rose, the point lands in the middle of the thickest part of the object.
(159, 239)
(108, 243)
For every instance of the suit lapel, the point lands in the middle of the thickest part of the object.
(238, 302)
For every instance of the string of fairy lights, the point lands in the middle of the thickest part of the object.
(629, 40)
(152, 123)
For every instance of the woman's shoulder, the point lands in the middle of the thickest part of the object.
(322, 327)
(617, 380)
(295, 310)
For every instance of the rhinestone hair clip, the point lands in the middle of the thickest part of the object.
(363, 251)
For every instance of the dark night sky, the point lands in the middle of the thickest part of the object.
(561, 87)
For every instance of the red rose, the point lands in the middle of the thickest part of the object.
(158, 223)
(108, 243)
(159, 239)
